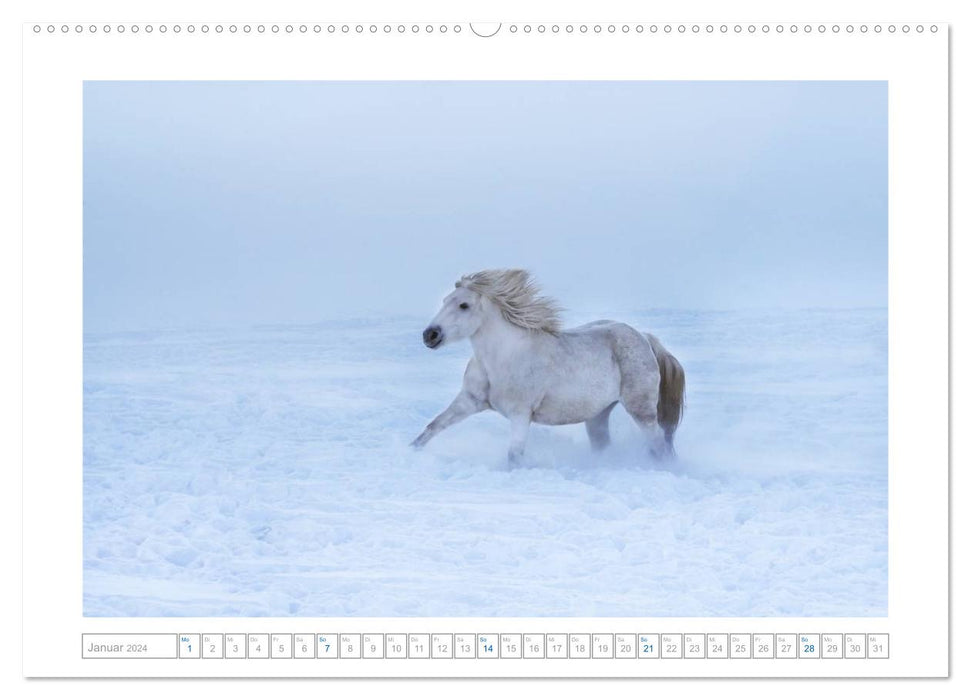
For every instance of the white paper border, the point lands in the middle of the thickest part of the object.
(914, 64)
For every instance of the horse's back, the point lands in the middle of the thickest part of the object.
(624, 340)
(630, 351)
(602, 324)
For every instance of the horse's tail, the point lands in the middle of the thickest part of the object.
(670, 402)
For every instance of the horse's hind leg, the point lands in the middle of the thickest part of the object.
(669, 436)
(598, 428)
(639, 395)
(646, 418)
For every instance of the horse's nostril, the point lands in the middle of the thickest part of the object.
(431, 335)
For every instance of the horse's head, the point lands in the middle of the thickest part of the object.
(461, 315)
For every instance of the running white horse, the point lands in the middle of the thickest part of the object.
(531, 371)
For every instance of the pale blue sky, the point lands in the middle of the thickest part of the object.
(227, 203)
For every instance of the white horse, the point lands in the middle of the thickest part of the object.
(530, 370)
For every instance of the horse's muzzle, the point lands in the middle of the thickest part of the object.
(433, 336)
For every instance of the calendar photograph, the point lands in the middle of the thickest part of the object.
(485, 349)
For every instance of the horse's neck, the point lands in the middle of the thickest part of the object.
(498, 343)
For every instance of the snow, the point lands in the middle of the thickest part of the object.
(266, 472)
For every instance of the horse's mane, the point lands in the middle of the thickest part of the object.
(518, 298)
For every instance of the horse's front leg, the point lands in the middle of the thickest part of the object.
(464, 405)
(517, 439)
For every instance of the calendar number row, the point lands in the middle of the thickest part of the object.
(487, 646)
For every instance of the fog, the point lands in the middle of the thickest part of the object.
(237, 203)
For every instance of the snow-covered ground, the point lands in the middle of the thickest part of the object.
(267, 472)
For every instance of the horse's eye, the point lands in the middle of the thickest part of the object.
(463, 306)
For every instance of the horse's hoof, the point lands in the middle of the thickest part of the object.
(659, 455)
(664, 455)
